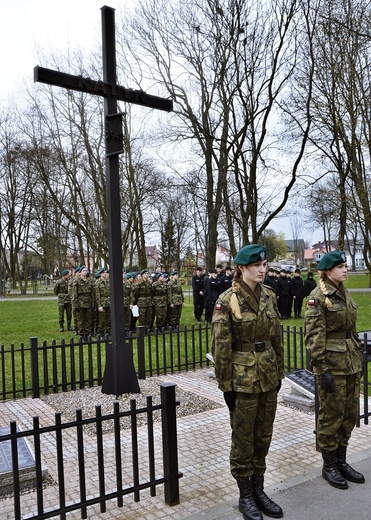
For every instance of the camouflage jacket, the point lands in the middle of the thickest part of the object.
(83, 293)
(128, 294)
(330, 334)
(142, 293)
(102, 293)
(160, 291)
(238, 366)
(61, 290)
(176, 296)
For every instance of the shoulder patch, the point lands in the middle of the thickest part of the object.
(312, 302)
(218, 306)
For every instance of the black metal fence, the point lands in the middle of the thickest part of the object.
(59, 367)
(111, 483)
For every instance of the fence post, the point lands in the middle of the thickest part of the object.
(140, 350)
(170, 444)
(34, 368)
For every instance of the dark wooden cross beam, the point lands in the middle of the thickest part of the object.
(119, 377)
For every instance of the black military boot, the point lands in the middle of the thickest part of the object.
(345, 470)
(330, 471)
(264, 503)
(246, 503)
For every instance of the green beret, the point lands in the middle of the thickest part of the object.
(64, 272)
(128, 275)
(173, 272)
(77, 269)
(332, 259)
(97, 275)
(144, 271)
(165, 275)
(250, 254)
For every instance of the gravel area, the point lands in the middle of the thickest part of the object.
(86, 399)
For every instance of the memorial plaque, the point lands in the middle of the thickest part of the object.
(26, 464)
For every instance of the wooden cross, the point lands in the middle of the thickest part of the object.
(119, 377)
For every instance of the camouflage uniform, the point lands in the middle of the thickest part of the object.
(331, 338)
(142, 296)
(160, 291)
(128, 302)
(83, 303)
(249, 360)
(102, 301)
(64, 303)
(176, 300)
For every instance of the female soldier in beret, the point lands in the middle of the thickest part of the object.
(336, 355)
(248, 356)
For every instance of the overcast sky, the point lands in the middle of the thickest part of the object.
(27, 26)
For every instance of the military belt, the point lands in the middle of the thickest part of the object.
(258, 346)
(343, 334)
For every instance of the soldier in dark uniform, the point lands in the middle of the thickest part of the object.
(248, 354)
(142, 296)
(102, 302)
(283, 294)
(226, 279)
(64, 300)
(211, 293)
(176, 300)
(309, 284)
(271, 279)
(198, 295)
(336, 354)
(83, 302)
(297, 289)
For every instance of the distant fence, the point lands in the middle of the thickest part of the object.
(120, 468)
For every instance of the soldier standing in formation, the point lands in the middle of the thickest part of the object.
(102, 302)
(142, 296)
(176, 300)
(64, 300)
(297, 289)
(336, 355)
(249, 366)
(211, 293)
(160, 292)
(128, 301)
(198, 295)
(83, 302)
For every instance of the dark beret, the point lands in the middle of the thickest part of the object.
(332, 259)
(173, 272)
(144, 271)
(64, 272)
(250, 254)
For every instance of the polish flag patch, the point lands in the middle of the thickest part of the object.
(218, 306)
(311, 302)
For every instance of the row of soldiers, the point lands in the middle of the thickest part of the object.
(86, 298)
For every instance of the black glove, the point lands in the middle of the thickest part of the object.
(230, 399)
(279, 385)
(77, 309)
(327, 382)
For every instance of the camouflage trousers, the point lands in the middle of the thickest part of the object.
(65, 308)
(145, 317)
(174, 315)
(338, 412)
(83, 321)
(127, 317)
(161, 316)
(104, 321)
(252, 428)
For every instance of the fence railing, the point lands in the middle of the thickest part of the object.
(59, 367)
(103, 451)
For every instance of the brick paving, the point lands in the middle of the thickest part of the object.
(203, 447)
